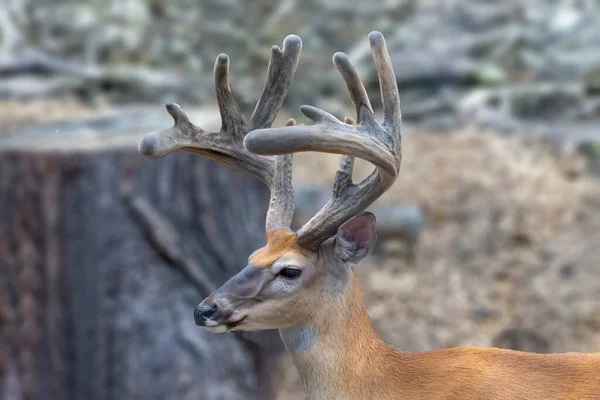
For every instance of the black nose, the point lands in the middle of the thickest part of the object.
(203, 313)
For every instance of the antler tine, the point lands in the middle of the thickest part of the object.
(357, 90)
(282, 66)
(343, 176)
(387, 82)
(160, 143)
(378, 144)
(226, 146)
(232, 120)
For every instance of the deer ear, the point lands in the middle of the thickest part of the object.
(355, 238)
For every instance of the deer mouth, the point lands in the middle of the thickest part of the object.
(234, 324)
(223, 326)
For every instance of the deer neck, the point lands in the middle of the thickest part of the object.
(339, 349)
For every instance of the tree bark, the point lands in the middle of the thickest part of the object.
(103, 256)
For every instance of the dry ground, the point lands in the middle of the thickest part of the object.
(15, 114)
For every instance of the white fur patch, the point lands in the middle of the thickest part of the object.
(299, 339)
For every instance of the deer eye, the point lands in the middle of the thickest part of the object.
(290, 273)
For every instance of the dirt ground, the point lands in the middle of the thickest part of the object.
(15, 114)
(509, 256)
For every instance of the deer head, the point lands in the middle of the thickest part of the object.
(302, 282)
(296, 274)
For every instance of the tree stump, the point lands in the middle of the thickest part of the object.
(103, 256)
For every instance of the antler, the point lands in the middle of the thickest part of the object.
(227, 145)
(378, 144)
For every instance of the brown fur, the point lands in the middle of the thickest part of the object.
(350, 361)
(279, 242)
(325, 325)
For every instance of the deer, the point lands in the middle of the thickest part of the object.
(302, 282)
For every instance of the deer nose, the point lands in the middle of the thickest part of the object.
(203, 312)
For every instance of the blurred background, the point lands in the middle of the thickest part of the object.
(490, 237)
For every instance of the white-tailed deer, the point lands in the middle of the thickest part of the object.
(302, 282)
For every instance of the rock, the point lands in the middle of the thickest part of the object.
(591, 151)
(592, 81)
